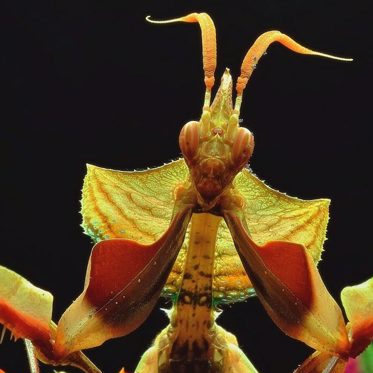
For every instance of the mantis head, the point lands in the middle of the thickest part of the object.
(216, 148)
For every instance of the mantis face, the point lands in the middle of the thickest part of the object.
(216, 148)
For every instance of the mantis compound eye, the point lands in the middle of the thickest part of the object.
(243, 147)
(189, 140)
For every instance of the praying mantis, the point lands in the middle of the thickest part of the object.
(202, 230)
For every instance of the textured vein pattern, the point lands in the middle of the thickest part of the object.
(270, 216)
(138, 205)
(133, 205)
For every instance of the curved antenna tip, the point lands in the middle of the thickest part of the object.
(150, 20)
(334, 57)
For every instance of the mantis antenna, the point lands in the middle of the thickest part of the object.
(208, 47)
(259, 48)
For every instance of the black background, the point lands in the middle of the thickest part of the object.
(92, 82)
